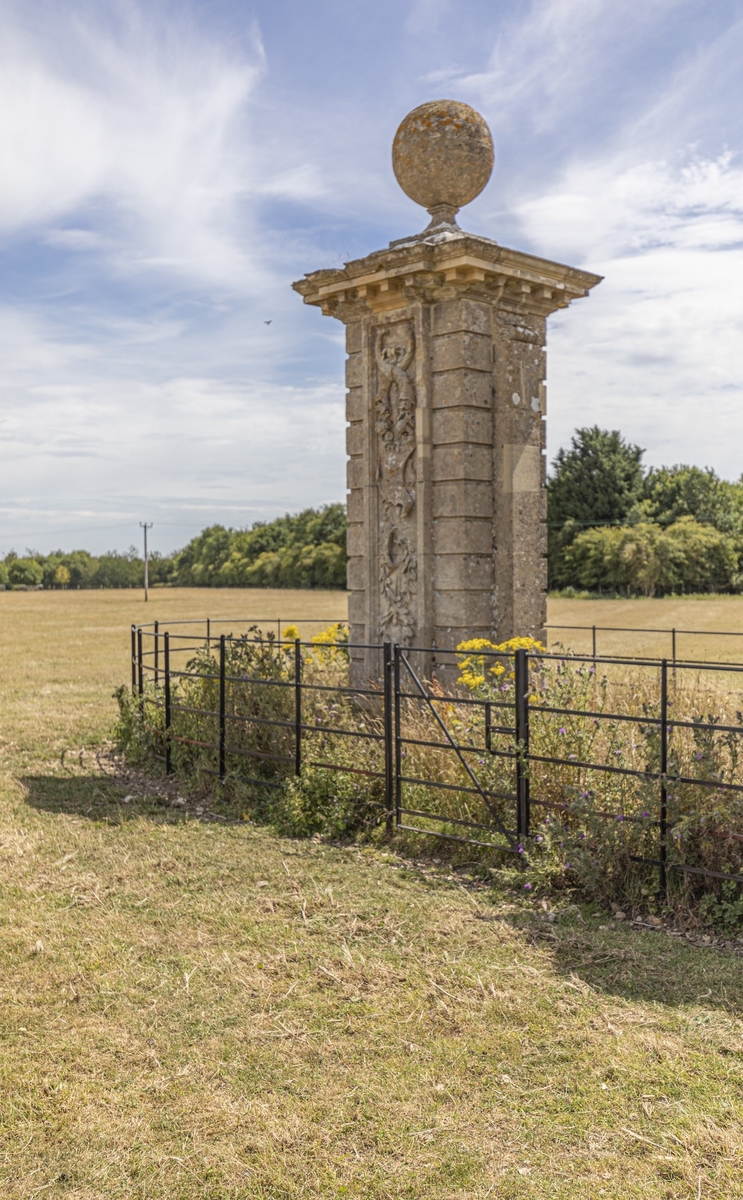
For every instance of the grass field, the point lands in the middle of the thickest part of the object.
(707, 613)
(198, 1010)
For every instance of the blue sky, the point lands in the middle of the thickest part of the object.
(168, 170)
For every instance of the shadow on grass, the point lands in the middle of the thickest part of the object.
(109, 799)
(634, 965)
(643, 965)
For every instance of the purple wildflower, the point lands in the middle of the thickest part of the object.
(646, 814)
(527, 887)
(521, 849)
(581, 836)
(539, 838)
(567, 866)
(562, 730)
(620, 817)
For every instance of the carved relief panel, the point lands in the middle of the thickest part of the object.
(395, 450)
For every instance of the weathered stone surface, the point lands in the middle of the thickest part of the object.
(442, 156)
(354, 369)
(355, 506)
(353, 338)
(355, 438)
(355, 472)
(452, 351)
(355, 541)
(464, 572)
(463, 498)
(471, 425)
(465, 609)
(462, 388)
(461, 316)
(355, 404)
(356, 608)
(462, 461)
(356, 577)
(462, 536)
(445, 333)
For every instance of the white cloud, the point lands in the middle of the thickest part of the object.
(153, 130)
(654, 349)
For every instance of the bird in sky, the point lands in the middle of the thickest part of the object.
(266, 322)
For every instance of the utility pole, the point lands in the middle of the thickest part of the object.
(146, 526)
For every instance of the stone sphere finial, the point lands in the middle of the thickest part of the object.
(442, 157)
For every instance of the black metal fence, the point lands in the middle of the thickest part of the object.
(675, 639)
(544, 745)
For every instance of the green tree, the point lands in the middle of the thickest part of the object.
(304, 550)
(25, 572)
(598, 481)
(645, 559)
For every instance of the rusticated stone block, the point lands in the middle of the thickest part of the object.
(461, 461)
(356, 575)
(453, 351)
(463, 498)
(353, 338)
(355, 540)
(355, 506)
(356, 608)
(455, 536)
(355, 404)
(354, 371)
(355, 438)
(472, 425)
(355, 473)
(465, 609)
(463, 572)
(469, 316)
(462, 388)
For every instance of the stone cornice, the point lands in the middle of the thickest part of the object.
(438, 268)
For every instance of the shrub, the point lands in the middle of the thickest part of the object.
(646, 560)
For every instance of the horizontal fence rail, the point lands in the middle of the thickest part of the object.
(672, 636)
(533, 747)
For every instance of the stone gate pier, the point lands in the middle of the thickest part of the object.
(446, 405)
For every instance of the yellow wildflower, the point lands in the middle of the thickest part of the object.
(475, 666)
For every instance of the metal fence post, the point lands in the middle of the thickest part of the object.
(594, 645)
(673, 644)
(663, 831)
(208, 633)
(157, 653)
(521, 673)
(398, 736)
(389, 774)
(140, 669)
(134, 659)
(168, 754)
(297, 707)
(222, 720)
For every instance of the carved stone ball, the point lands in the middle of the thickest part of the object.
(442, 156)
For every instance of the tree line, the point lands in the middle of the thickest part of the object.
(307, 550)
(616, 527)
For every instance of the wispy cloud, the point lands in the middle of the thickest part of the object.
(144, 135)
(169, 168)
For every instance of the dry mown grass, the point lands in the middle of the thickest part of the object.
(195, 1009)
(707, 613)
